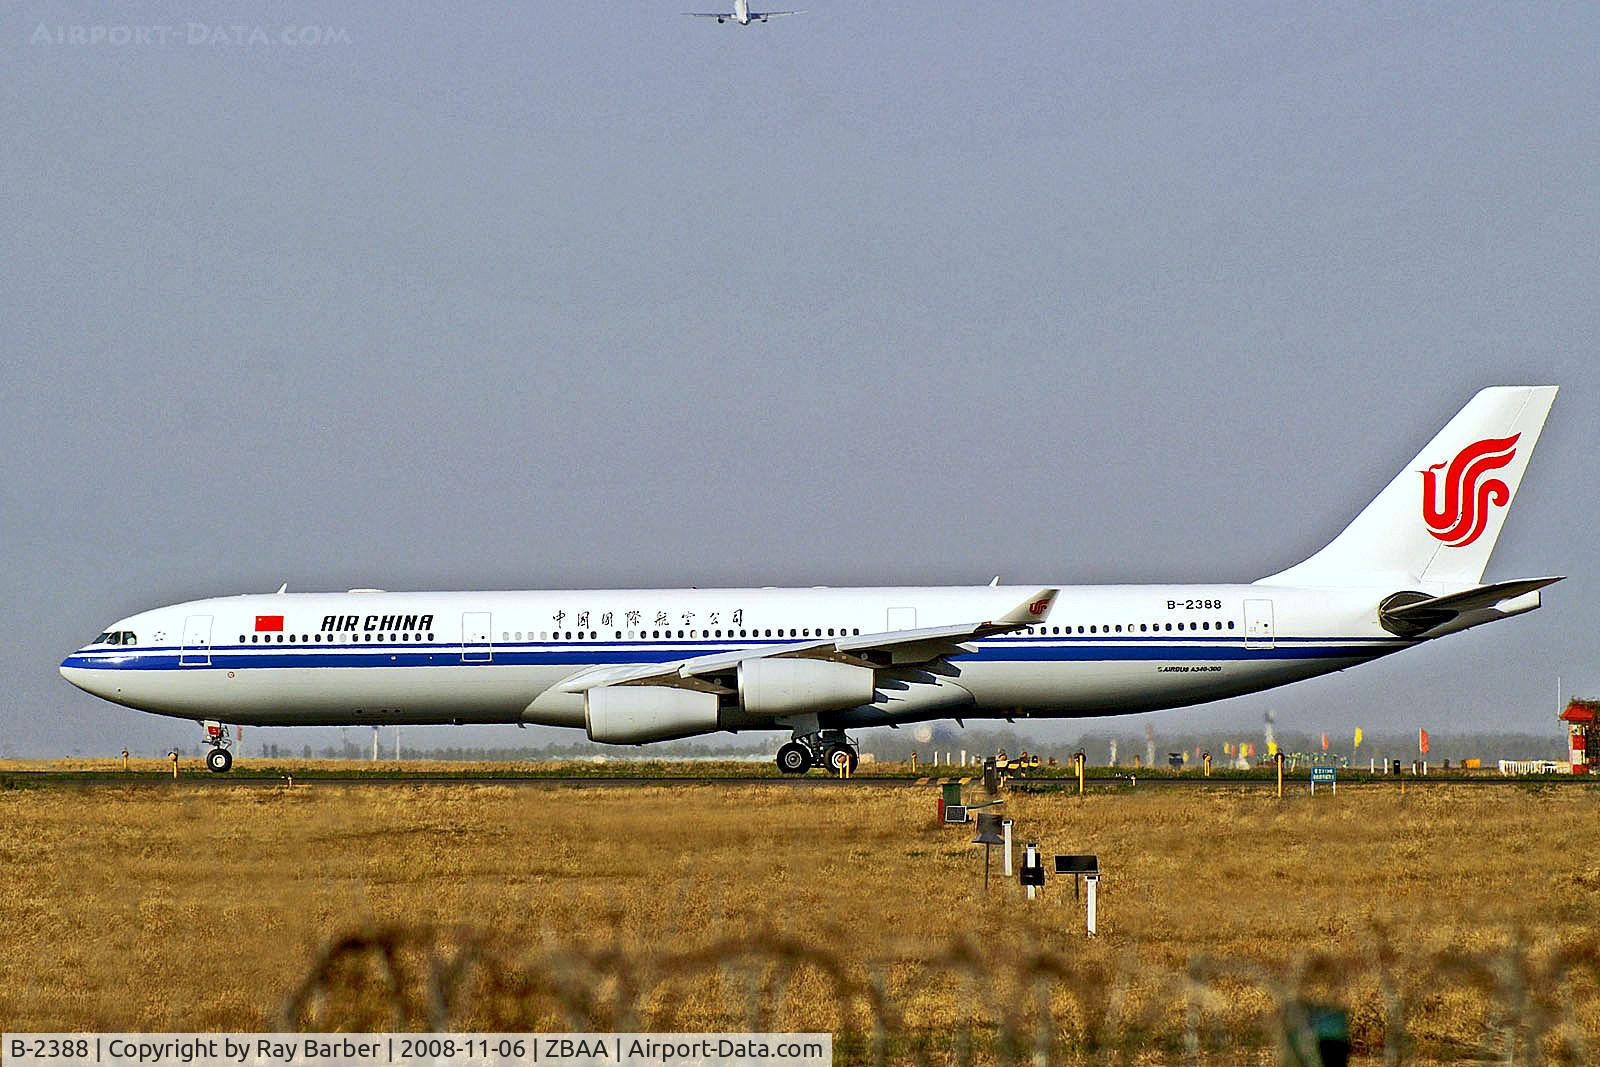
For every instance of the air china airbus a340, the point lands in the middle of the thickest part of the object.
(632, 666)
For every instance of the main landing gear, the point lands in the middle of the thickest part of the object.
(219, 760)
(829, 749)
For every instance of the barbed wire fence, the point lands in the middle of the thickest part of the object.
(969, 1002)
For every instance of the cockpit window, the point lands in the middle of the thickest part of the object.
(106, 639)
(128, 638)
(117, 637)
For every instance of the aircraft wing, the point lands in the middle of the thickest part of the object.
(765, 15)
(892, 648)
(708, 14)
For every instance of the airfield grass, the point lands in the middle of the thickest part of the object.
(195, 906)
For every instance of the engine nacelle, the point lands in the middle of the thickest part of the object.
(771, 687)
(635, 714)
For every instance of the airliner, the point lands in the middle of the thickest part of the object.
(741, 14)
(634, 666)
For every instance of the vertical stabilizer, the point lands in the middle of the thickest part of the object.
(1439, 519)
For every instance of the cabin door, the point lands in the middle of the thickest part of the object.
(1258, 628)
(476, 646)
(902, 619)
(196, 642)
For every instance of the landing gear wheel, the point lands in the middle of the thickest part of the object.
(219, 761)
(840, 757)
(793, 758)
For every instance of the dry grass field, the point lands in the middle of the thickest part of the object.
(191, 906)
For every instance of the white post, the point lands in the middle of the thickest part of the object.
(397, 744)
(1372, 764)
(963, 757)
(374, 744)
(1005, 827)
(1424, 768)
(1030, 859)
(1089, 905)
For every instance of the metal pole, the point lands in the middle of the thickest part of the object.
(1005, 828)
(1077, 766)
(1030, 859)
(1280, 775)
(1089, 906)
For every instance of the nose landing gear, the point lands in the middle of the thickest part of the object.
(829, 749)
(219, 760)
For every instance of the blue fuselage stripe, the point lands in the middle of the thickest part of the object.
(248, 657)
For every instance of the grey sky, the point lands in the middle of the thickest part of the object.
(553, 295)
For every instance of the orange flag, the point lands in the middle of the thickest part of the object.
(1324, 742)
(1422, 741)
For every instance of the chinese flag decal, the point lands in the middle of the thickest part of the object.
(269, 624)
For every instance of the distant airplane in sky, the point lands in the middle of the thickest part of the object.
(631, 666)
(741, 14)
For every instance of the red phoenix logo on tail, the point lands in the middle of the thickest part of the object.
(1457, 512)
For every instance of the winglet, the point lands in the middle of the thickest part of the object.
(1030, 611)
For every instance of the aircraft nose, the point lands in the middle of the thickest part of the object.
(85, 678)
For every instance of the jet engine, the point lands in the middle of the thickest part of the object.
(773, 687)
(635, 714)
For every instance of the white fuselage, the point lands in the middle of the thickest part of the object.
(494, 657)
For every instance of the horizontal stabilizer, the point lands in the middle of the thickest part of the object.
(1410, 614)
